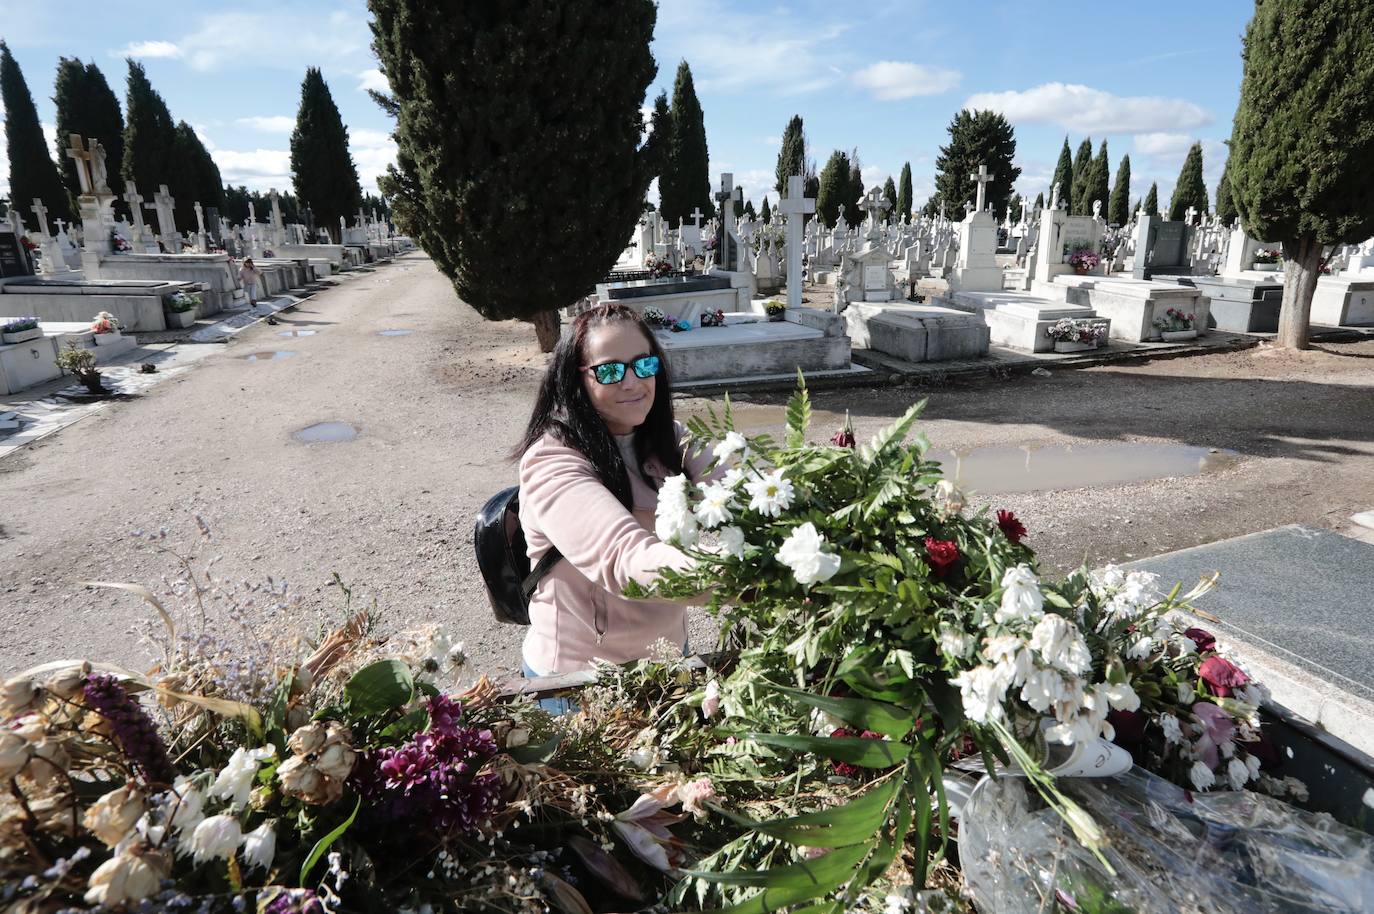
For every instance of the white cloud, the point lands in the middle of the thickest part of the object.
(1163, 144)
(772, 141)
(373, 151)
(375, 80)
(203, 135)
(1079, 107)
(891, 80)
(50, 137)
(139, 49)
(286, 38)
(272, 123)
(259, 169)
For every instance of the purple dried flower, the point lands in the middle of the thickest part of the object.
(445, 714)
(131, 730)
(294, 901)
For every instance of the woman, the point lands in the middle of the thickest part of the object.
(250, 276)
(599, 444)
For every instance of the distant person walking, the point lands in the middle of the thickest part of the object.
(251, 276)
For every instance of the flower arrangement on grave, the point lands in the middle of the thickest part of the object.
(1084, 259)
(105, 322)
(80, 363)
(19, 325)
(1175, 321)
(1077, 330)
(118, 243)
(774, 309)
(180, 302)
(27, 243)
(880, 634)
(1268, 255)
(657, 266)
(714, 318)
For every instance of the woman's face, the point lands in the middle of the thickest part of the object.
(625, 405)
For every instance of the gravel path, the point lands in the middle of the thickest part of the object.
(438, 409)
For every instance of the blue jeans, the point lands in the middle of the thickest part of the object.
(560, 706)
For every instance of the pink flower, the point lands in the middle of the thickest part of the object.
(710, 703)
(1204, 639)
(1218, 728)
(695, 793)
(1222, 675)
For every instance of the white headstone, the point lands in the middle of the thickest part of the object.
(795, 206)
(982, 177)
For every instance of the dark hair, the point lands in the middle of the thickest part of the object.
(564, 409)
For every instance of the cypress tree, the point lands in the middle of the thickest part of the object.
(792, 155)
(739, 203)
(1151, 203)
(765, 213)
(150, 136)
(890, 194)
(1039, 202)
(518, 130)
(1190, 190)
(1082, 178)
(1118, 210)
(87, 105)
(976, 138)
(853, 214)
(685, 183)
(1098, 187)
(322, 169)
(1063, 176)
(661, 131)
(904, 193)
(198, 180)
(834, 190)
(1226, 208)
(1302, 143)
(32, 171)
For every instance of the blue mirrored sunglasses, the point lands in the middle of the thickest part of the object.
(646, 366)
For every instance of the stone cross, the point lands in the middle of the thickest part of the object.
(135, 201)
(61, 226)
(253, 215)
(697, 217)
(795, 206)
(1189, 215)
(164, 203)
(875, 204)
(200, 218)
(41, 212)
(728, 254)
(78, 153)
(982, 177)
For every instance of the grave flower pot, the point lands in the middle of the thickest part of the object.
(107, 339)
(1265, 267)
(1082, 271)
(1175, 336)
(181, 318)
(1072, 346)
(22, 336)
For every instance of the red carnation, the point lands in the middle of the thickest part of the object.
(941, 554)
(1222, 675)
(844, 438)
(1204, 639)
(1012, 528)
(845, 769)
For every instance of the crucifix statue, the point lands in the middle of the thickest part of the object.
(79, 154)
(982, 177)
(875, 204)
(1189, 214)
(41, 212)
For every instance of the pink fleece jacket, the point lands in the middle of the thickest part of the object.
(577, 612)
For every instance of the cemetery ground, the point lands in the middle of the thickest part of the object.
(436, 411)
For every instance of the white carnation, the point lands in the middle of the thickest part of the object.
(1021, 597)
(983, 692)
(1122, 697)
(802, 553)
(770, 494)
(732, 444)
(731, 542)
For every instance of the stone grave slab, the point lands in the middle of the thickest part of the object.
(744, 349)
(917, 333)
(1343, 302)
(1238, 305)
(1131, 304)
(1016, 319)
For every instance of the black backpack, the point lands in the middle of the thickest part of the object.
(501, 557)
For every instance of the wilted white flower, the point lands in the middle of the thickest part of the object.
(1010, 658)
(1021, 597)
(187, 803)
(731, 542)
(710, 702)
(1141, 648)
(948, 497)
(517, 737)
(1173, 733)
(1044, 689)
(235, 780)
(14, 754)
(112, 817)
(218, 836)
(801, 552)
(714, 507)
(1237, 772)
(1059, 644)
(733, 443)
(1201, 776)
(1186, 693)
(770, 494)
(1108, 579)
(127, 877)
(1122, 697)
(954, 643)
(983, 692)
(260, 846)
(1186, 646)
(18, 695)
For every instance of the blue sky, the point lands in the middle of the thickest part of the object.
(883, 76)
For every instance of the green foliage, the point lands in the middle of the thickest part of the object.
(379, 687)
(1190, 189)
(519, 121)
(196, 179)
(323, 845)
(1119, 208)
(1302, 144)
(792, 155)
(834, 190)
(236, 200)
(87, 105)
(856, 188)
(1063, 175)
(748, 210)
(685, 182)
(1097, 181)
(1151, 203)
(739, 202)
(890, 195)
(322, 168)
(1079, 203)
(660, 132)
(150, 137)
(1226, 207)
(977, 138)
(765, 213)
(1039, 202)
(904, 193)
(32, 171)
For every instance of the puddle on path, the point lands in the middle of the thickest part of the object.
(269, 355)
(326, 432)
(1068, 466)
(397, 332)
(296, 332)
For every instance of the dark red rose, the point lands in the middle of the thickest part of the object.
(941, 555)
(1012, 528)
(1129, 727)
(1204, 639)
(1222, 676)
(844, 438)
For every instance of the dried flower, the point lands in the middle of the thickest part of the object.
(18, 695)
(260, 846)
(948, 498)
(217, 836)
(235, 781)
(129, 876)
(14, 754)
(66, 683)
(131, 730)
(1222, 675)
(322, 760)
(112, 817)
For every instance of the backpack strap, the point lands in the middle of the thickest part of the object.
(546, 562)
